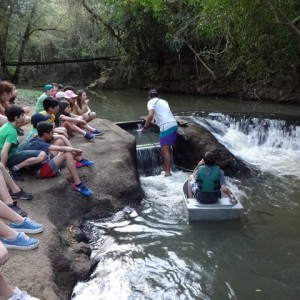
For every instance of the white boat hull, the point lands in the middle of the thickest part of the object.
(223, 210)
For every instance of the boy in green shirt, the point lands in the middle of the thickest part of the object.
(48, 92)
(12, 157)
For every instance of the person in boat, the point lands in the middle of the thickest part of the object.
(159, 110)
(207, 180)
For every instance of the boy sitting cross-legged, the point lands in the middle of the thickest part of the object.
(57, 156)
(11, 156)
(58, 139)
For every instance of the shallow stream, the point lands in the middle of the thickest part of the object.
(157, 254)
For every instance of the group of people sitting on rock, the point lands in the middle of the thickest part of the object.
(59, 114)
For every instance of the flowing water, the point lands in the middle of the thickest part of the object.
(157, 254)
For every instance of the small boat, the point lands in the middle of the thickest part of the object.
(223, 210)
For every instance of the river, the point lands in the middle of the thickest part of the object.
(159, 255)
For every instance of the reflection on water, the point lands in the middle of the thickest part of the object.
(159, 255)
(131, 104)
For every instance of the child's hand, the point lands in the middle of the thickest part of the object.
(82, 122)
(191, 177)
(77, 152)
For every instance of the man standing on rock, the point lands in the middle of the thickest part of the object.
(159, 110)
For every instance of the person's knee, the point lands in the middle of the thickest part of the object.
(42, 156)
(59, 142)
(69, 156)
(26, 121)
(67, 124)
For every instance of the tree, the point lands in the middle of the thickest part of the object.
(21, 19)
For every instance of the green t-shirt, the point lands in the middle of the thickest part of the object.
(8, 133)
(39, 103)
(33, 133)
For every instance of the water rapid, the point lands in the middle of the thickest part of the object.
(159, 255)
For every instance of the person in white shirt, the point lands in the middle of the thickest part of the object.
(159, 110)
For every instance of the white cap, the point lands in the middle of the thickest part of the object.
(61, 95)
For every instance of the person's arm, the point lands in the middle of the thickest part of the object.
(148, 120)
(201, 162)
(88, 110)
(65, 149)
(4, 153)
(83, 110)
(71, 119)
(3, 120)
(85, 104)
(63, 138)
(77, 109)
(227, 191)
(2, 109)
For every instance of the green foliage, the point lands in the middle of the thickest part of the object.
(261, 47)
(251, 39)
(27, 96)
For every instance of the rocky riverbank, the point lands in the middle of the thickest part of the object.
(51, 271)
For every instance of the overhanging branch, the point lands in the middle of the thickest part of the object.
(281, 18)
(202, 61)
(53, 62)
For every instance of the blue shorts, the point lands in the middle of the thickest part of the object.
(168, 137)
(20, 156)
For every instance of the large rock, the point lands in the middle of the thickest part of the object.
(52, 270)
(194, 140)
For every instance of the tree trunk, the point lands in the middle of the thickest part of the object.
(24, 42)
(5, 22)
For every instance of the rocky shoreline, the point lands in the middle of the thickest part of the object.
(51, 271)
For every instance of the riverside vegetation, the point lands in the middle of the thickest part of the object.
(246, 48)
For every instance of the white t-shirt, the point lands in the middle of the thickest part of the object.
(162, 112)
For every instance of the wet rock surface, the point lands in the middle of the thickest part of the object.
(194, 140)
(52, 270)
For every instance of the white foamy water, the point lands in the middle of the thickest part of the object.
(158, 255)
(271, 146)
(279, 161)
(137, 257)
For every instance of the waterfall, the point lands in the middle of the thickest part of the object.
(149, 159)
(270, 144)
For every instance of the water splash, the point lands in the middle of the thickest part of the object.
(271, 145)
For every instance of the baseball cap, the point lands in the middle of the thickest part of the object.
(153, 92)
(71, 94)
(62, 95)
(48, 87)
(36, 118)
